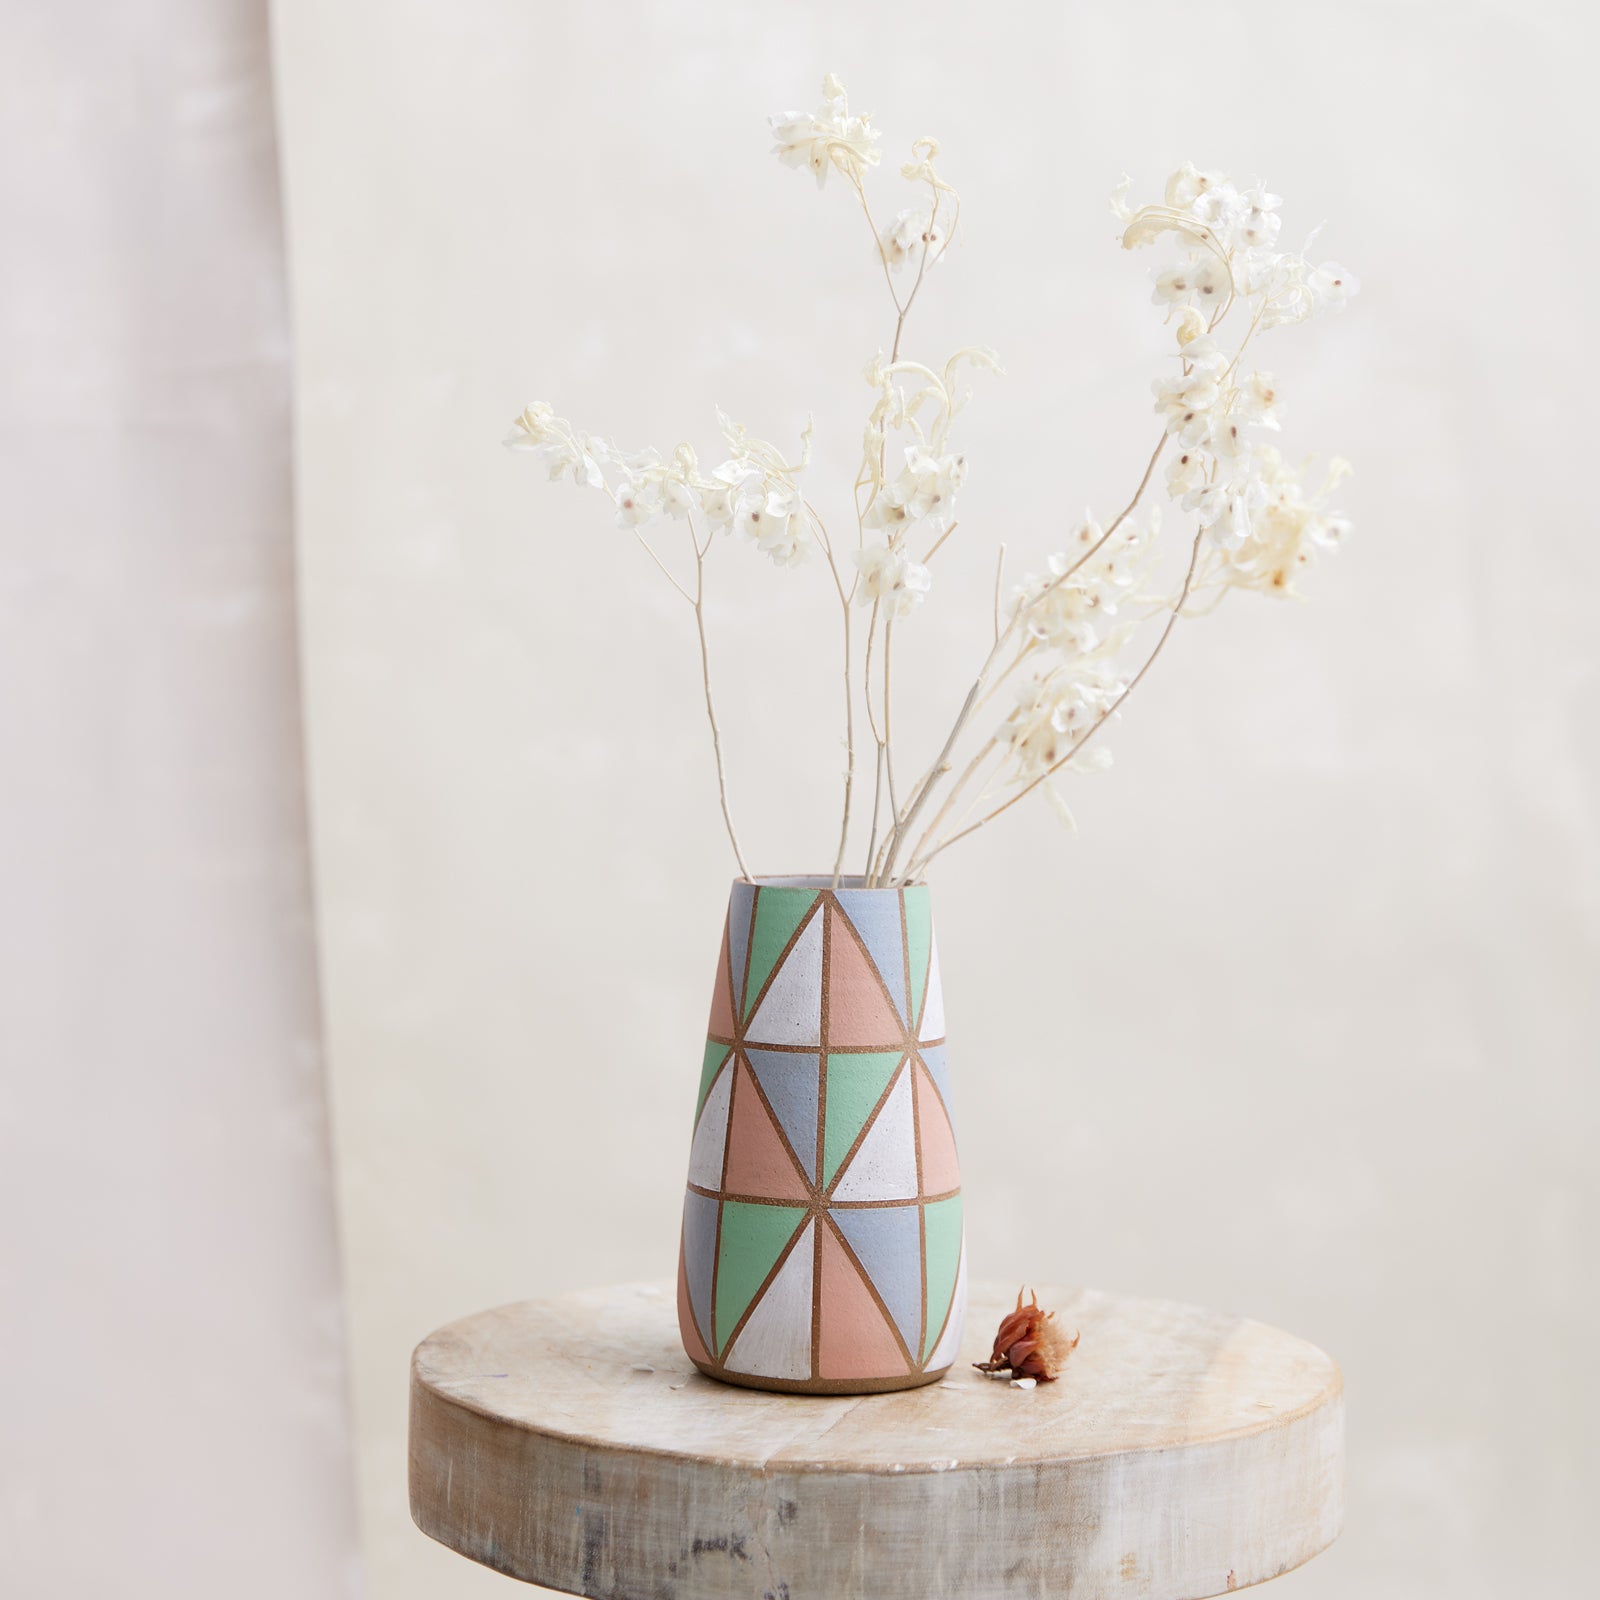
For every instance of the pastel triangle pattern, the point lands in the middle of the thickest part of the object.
(789, 1080)
(949, 1345)
(715, 1055)
(711, 1135)
(759, 1159)
(919, 939)
(933, 1012)
(942, 1244)
(722, 995)
(853, 1339)
(860, 1013)
(741, 907)
(876, 917)
(886, 1241)
(933, 1057)
(941, 1170)
(813, 1252)
(885, 1165)
(751, 1239)
(693, 1342)
(699, 1258)
(776, 1339)
(854, 1087)
(776, 918)
(791, 1012)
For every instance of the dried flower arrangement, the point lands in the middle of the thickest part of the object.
(1064, 641)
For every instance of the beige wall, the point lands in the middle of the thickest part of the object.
(1303, 1023)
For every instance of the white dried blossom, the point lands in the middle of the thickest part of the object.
(1224, 510)
(1187, 471)
(551, 440)
(1185, 403)
(911, 236)
(1286, 526)
(1331, 286)
(827, 138)
(1055, 713)
(1071, 608)
(891, 580)
(1199, 279)
(1070, 633)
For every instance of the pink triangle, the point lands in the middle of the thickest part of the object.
(854, 1340)
(941, 1170)
(721, 1023)
(861, 1015)
(690, 1334)
(759, 1162)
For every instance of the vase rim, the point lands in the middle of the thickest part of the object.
(823, 880)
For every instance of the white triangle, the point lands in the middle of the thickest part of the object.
(932, 999)
(885, 1167)
(949, 1345)
(792, 1010)
(711, 1137)
(776, 1341)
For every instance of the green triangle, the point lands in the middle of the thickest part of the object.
(716, 1054)
(919, 939)
(751, 1240)
(941, 1222)
(778, 913)
(855, 1085)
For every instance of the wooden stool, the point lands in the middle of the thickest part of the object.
(569, 1442)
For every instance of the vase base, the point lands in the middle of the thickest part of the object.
(825, 1386)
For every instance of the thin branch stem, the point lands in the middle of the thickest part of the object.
(711, 709)
(888, 716)
(666, 572)
(1110, 711)
(939, 542)
(904, 825)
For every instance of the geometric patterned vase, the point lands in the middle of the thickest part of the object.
(822, 1249)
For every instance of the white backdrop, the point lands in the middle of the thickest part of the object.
(1302, 1023)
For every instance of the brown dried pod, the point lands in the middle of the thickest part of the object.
(1028, 1344)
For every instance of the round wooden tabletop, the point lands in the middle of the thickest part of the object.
(569, 1442)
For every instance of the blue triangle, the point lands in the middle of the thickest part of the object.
(887, 1242)
(741, 904)
(700, 1256)
(933, 1059)
(790, 1080)
(875, 915)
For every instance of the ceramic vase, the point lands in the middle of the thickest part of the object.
(822, 1248)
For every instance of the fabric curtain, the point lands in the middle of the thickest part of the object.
(170, 1316)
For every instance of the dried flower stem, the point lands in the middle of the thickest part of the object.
(904, 825)
(849, 692)
(705, 679)
(1133, 683)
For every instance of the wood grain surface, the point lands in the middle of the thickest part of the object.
(570, 1442)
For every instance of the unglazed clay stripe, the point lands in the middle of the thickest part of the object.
(821, 1203)
(811, 1049)
(822, 1124)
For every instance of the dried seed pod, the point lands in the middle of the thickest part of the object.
(1028, 1344)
